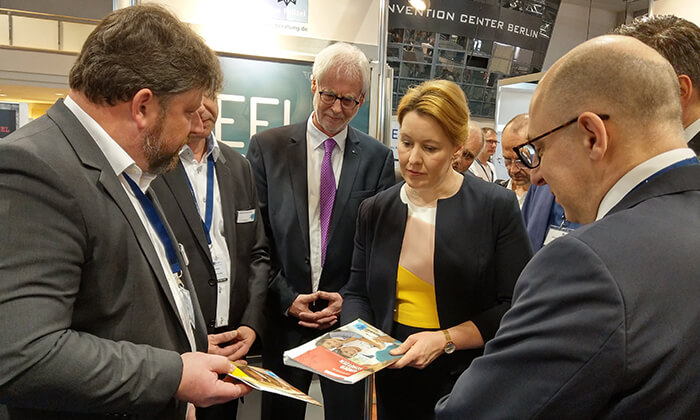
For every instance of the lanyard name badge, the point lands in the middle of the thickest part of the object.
(157, 223)
(555, 232)
(223, 286)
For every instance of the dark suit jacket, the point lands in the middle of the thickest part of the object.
(536, 210)
(247, 245)
(88, 321)
(480, 248)
(278, 157)
(605, 324)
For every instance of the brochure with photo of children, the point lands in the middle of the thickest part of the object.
(347, 354)
(266, 380)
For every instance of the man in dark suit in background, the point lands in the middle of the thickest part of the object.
(210, 201)
(99, 316)
(311, 179)
(678, 40)
(604, 321)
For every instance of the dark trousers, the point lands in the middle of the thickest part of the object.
(411, 393)
(219, 412)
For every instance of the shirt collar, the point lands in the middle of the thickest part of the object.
(117, 157)
(637, 175)
(692, 130)
(212, 149)
(317, 137)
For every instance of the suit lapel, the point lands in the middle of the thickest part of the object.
(296, 159)
(674, 181)
(227, 193)
(200, 328)
(178, 183)
(694, 143)
(92, 157)
(348, 173)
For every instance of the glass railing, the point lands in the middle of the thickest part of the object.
(43, 31)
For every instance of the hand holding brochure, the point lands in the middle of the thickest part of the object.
(347, 354)
(266, 380)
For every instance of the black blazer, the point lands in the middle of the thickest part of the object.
(278, 158)
(480, 248)
(247, 245)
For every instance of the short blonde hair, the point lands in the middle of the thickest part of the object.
(445, 102)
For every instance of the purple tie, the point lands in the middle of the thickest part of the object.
(327, 194)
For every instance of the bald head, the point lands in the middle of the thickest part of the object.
(625, 103)
(464, 157)
(614, 73)
(515, 132)
(678, 40)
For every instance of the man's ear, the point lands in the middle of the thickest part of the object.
(314, 86)
(596, 134)
(686, 88)
(144, 108)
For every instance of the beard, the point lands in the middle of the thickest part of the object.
(160, 160)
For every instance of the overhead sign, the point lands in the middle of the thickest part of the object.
(469, 18)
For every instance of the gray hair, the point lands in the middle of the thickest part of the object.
(346, 60)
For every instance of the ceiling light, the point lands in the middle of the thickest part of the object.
(420, 4)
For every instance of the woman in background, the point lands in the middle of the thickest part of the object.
(435, 258)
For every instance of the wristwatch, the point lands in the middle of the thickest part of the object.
(449, 345)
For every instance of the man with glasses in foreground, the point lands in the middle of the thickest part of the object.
(515, 133)
(311, 178)
(604, 324)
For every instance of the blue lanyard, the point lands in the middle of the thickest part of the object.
(157, 223)
(209, 209)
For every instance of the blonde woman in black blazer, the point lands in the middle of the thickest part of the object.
(462, 241)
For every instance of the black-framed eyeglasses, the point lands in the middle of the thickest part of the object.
(528, 154)
(329, 98)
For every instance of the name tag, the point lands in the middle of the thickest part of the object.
(245, 216)
(555, 232)
(223, 293)
(184, 254)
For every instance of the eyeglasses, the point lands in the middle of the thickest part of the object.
(329, 98)
(517, 162)
(527, 152)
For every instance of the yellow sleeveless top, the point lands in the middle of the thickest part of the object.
(416, 305)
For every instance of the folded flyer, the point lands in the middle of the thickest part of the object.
(347, 354)
(266, 380)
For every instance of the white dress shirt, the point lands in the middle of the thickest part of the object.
(482, 171)
(692, 130)
(197, 175)
(314, 157)
(121, 163)
(637, 175)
